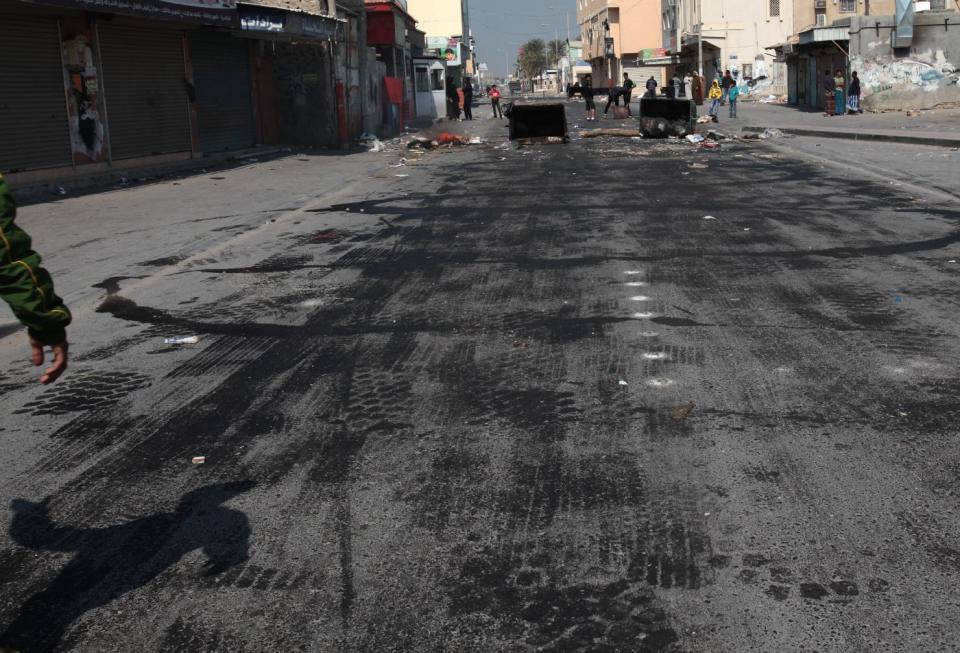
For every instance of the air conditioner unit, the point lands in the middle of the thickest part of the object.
(820, 4)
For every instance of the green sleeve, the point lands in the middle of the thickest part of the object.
(24, 285)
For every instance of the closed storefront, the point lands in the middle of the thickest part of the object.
(145, 90)
(221, 77)
(34, 131)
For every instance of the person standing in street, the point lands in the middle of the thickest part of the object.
(725, 84)
(829, 94)
(732, 94)
(652, 87)
(853, 101)
(453, 100)
(628, 87)
(28, 289)
(716, 95)
(840, 84)
(613, 97)
(495, 101)
(587, 92)
(468, 99)
(696, 89)
(686, 86)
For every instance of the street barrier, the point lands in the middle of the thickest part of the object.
(538, 120)
(661, 117)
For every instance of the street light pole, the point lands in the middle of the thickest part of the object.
(700, 36)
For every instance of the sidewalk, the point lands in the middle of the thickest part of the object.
(939, 127)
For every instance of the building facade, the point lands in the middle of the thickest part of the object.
(736, 35)
(446, 24)
(906, 54)
(102, 84)
(617, 36)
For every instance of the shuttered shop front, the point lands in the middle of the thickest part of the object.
(34, 132)
(146, 97)
(221, 76)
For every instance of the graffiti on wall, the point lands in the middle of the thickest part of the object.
(82, 84)
(879, 74)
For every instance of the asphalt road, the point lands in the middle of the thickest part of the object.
(614, 395)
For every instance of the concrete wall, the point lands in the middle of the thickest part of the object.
(439, 17)
(920, 78)
(805, 14)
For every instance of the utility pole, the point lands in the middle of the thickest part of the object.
(700, 36)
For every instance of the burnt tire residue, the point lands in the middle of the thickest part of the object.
(86, 391)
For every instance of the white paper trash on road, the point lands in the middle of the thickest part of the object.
(182, 340)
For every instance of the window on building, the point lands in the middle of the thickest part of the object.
(774, 8)
(436, 76)
(848, 6)
(821, 18)
(423, 80)
(938, 5)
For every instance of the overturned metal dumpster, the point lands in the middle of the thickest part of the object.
(538, 120)
(661, 117)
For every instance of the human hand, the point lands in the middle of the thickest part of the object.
(59, 365)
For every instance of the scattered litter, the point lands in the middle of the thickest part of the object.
(555, 139)
(660, 383)
(628, 133)
(643, 316)
(953, 260)
(252, 159)
(446, 138)
(401, 176)
(632, 272)
(622, 382)
(640, 298)
(400, 164)
(376, 146)
(636, 284)
(695, 139)
(655, 356)
(649, 334)
(716, 136)
(704, 119)
(521, 344)
(198, 460)
(710, 145)
(699, 166)
(771, 132)
(124, 180)
(912, 113)
(746, 228)
(682, 412)
(709, 217)
(182, 340)
(61, 190)
(311, 303)
(476, 140)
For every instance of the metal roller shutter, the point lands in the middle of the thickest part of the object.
(145, 90)
(221, 76)
(34, 132)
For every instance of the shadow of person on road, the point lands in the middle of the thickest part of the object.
(114, 560)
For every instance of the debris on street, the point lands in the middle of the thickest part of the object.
(198, 460)
(182, 340)
(596, 133)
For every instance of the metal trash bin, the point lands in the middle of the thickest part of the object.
(661, 117)
(538, 120)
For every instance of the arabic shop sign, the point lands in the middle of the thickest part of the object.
(260, 20)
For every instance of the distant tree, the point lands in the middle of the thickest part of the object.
(556, 50)
(533, 59)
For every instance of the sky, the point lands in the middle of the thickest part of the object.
(502, 26)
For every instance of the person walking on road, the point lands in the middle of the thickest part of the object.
(28, 289)
(726, 84)
(696, 89)
(628, 87)
(468, 99)
(853, 100)
(716, 95)
(587, 92)
(732, 94)
(829, 94)
(495, 101)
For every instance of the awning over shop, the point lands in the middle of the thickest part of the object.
(824, 35)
